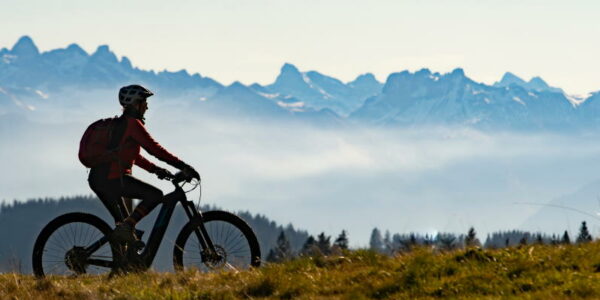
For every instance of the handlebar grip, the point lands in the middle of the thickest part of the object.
(180, 177)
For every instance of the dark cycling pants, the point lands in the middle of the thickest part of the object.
(112, 191)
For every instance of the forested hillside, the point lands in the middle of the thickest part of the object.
(21, 222)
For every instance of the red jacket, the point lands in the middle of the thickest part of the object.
(134, 137)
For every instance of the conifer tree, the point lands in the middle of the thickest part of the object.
(342, 240)
(376, 242)
(324, 243)
(539, 239)
(387, 243)
(282, 251)
(584, 235)
(523, 241)
(565, 238)
(310, 246)
(471, 238)
(428, 240)
(445, 241)
(554, 240)
(412, 239)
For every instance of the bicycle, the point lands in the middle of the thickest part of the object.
(78, 243)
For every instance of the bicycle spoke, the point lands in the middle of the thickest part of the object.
(56, 256)
(72, 235)
(61, 235)
(232, 248)
(68, 242)
(59, 246)
(227, 237)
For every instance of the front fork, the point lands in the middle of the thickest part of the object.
(208, 247)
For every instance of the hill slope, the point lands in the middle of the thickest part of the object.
(540, 272)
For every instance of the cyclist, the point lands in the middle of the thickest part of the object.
(112, 181)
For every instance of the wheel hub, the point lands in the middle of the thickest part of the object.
(217, 259)
(76, 259)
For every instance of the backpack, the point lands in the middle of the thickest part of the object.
(94, 145)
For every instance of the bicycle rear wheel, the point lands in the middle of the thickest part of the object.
(73, 244)
(234, 241)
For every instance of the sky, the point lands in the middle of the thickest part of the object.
(249, 41)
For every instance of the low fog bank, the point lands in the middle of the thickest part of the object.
(328, 179)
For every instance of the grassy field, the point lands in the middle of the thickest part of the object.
(528, 272)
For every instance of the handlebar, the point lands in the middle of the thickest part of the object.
(180, 177)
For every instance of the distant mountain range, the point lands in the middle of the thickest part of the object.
(30, 80)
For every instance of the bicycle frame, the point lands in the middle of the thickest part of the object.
(160, 227)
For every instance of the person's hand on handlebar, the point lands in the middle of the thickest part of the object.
(190, 172)
(163, 173)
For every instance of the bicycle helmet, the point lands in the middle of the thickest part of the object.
(133, 93)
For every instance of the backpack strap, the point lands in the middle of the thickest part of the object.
(117, 132)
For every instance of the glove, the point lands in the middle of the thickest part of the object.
(162, 173)
(190, 172)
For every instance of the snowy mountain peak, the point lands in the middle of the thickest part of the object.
(365, 77)
(509, 78)
(535, 84)
(259, 88)
(290, 77)
(25, 47)
(237, 86)
(103, 53)
(423, 72)
(126, 62)
(364, 80)
(289, 69)
(538, 83)
(458, 72)
(423, 76)
(74, 48)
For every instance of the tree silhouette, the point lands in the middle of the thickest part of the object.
(388, 247)
(324, 243)
(342, 240)
(428, 240)
(310, 247)
(554, 240)
(412, 239)
(376, 242)
(282, 251)
(539, 239)
(565, 238)
(471, 238)
(523, 241)
(584, 235)
(445, 241)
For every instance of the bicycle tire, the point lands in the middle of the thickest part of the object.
(221, 227)
(63, 235)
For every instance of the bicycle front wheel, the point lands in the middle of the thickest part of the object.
(73, 244)
(235, 244)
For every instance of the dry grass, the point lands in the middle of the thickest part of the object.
(536, 272)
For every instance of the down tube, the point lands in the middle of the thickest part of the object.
(160, 226)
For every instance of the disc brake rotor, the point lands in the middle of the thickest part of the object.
(216, 260)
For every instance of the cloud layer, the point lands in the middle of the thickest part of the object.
(423, 180)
